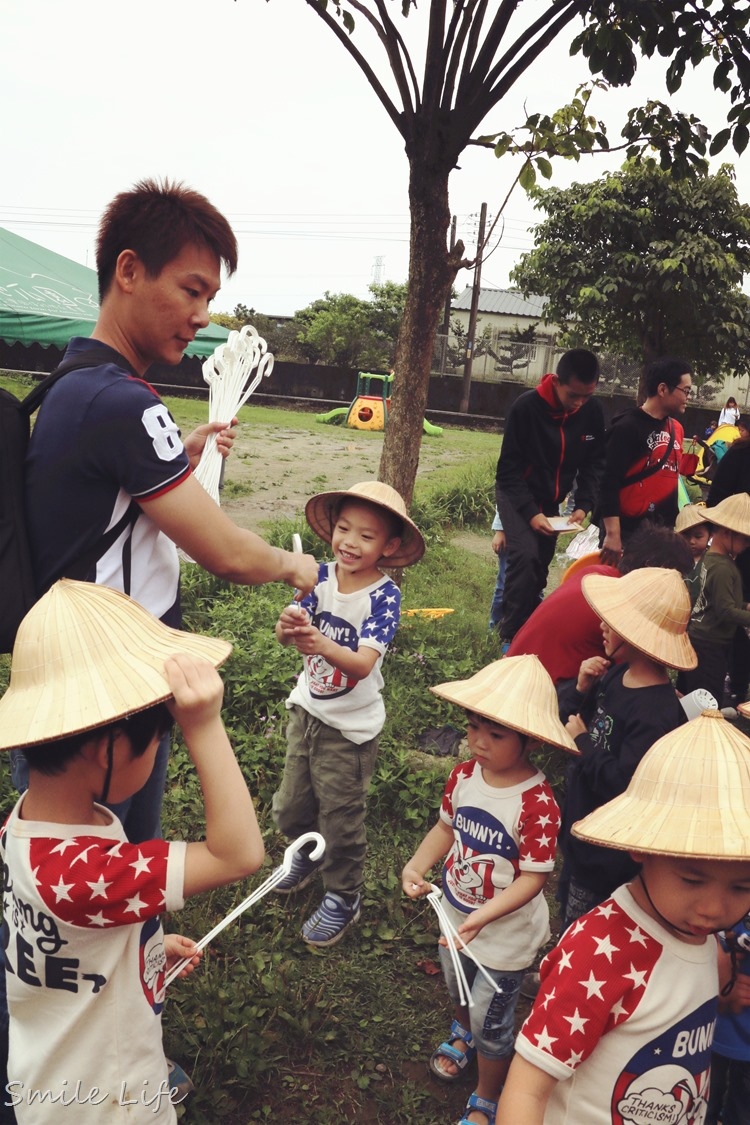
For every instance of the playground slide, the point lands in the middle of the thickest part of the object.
(335, 417)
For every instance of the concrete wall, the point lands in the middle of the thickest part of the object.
(314, 383)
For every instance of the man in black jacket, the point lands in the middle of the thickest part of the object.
(553, 434)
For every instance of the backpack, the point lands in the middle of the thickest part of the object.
(16, 573)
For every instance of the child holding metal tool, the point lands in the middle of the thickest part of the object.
(497, 833)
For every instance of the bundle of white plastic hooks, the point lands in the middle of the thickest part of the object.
(233, 372)
(454, 943)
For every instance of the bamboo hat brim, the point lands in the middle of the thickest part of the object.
(689, 796)
(649, 608)
(321, 512)
(514, 692)
(689, 516)
(85, 656)
(733, 513)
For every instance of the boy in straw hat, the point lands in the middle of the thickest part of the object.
(336, 713)
(693, 528)
(497, 833)
(619, 705)
(718, 605)
(622, 1026)
(95, 681)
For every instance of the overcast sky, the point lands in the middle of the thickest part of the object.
(256, 104)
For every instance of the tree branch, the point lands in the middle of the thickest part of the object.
(459, 28)
(397, 56)
(361, 62)
(472, 77)
(433, 70)
(478, 109)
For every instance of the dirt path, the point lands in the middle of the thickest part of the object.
(273, 470)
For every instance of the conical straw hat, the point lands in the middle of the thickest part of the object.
(689, 796)
(320, 512)
(86, 655)
(690, 516)
(733, 513)
(515, 692)
(649, 608)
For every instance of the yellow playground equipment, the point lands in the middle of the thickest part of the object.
(718, 443)
(369, 411)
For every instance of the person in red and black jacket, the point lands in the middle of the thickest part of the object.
(642, 466)
(553, 434)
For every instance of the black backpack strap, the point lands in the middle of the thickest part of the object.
(95, 357)
(81, 566)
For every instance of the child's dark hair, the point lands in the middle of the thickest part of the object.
(652, 545)
(526, 739)
(51, 758)
(393, 522)
(157, 220)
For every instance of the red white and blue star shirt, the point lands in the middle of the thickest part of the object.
(498, 834)
(624, 1019)
(85, 966)
(367, 618)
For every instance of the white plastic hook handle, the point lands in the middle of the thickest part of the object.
(275, 877)
(298, 844)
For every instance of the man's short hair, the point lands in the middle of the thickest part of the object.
(667, 369)
(156, 220)
(578, 364)
(652, 545)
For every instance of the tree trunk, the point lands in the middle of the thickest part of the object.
(432, 269)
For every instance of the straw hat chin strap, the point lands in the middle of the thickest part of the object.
(686, 933)
(110, 764)
(669, 925)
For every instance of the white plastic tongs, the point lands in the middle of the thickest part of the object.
(275, 877)
(454, 940)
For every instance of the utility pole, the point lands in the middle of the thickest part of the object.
(445, 327)
(472, 330)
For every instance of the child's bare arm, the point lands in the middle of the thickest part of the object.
(233, 847)
(311, 642)
(522, 890)
(525, 1094)
(435, 846)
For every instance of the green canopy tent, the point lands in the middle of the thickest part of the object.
(46, 298)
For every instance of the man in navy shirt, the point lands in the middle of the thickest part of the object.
(103, 437)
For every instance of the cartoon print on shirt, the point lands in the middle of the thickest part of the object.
(472, 873)
(667, 1079)
(153, 963)
(601, 728)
